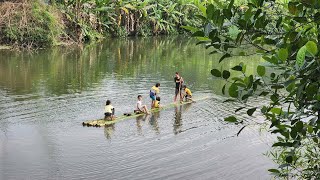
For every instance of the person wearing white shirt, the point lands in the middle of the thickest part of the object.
(141, 108)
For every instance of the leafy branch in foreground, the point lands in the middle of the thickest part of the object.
(286, 35)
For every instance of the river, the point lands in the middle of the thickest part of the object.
(47, 94)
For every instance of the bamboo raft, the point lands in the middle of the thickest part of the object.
(103, 122)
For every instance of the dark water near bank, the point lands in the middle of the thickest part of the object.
(45, 96)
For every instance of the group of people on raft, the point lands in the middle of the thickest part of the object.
(180, 89)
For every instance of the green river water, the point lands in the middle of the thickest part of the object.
(45, 95)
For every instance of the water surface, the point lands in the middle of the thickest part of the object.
(44, 97)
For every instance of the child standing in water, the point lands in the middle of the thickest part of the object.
(154, 92)
(109, 111)
(178, 81)
(141, 108)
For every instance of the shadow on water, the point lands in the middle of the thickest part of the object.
(179, 110)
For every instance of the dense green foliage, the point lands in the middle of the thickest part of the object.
(127, 17)
(286, 35)
(37, 23)
(29, 24)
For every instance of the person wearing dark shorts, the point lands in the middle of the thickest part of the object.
(179, 81)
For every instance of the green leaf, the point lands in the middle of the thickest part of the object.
(283, 54)
(209, 11)
(261, 70)
(237, 79)
(230, 4)
(251, 111)
(213, 52)
(274, 98)
(233, 91)
(223, 89)
(198, 34)
(238, 109)
(203, 39)
(274, 171)
(227, 13)
(225, 74)
(264, 93)
(301, 56)
(240, 85)
(292, 8)
(216, 72)
(279, 22)
(190, 28)
(231, 119)
(310, 129)
(224, 56)
(276, 110)
(237, 68)
(299, 126)
(289, 159)
(244, 68)
(293, 133)
(277, 86)
(312, 47)
(249, 81)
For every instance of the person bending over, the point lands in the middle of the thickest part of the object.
(188, 93)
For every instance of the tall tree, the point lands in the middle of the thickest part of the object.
(286, 35)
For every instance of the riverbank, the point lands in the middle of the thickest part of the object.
(37, 24)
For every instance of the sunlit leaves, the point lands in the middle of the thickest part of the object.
(300, 59)
(190, 28)
(283, 54)
(261, 70)
(312, 48)
(276, 110)
(286, 35)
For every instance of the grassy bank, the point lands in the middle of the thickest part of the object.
(37, 24)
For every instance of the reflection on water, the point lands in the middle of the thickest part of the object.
(73, 70)
(140, 120)
(177, 119)
(44, 97)
(179, 110)
(154, 122)
(108, 130)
